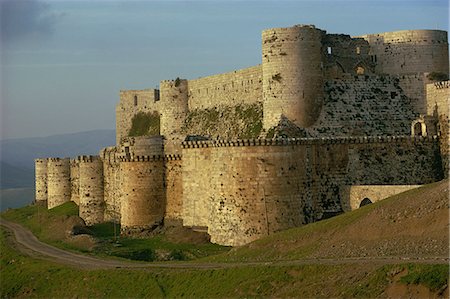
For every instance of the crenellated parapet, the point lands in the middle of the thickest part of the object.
(309, 141)
(58, 181)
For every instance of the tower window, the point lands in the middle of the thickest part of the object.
(135, 100)
(358, 50)
(329, 50)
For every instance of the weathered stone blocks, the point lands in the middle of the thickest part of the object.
(58, 181)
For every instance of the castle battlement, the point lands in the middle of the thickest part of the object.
(257, 150)
(308, 141)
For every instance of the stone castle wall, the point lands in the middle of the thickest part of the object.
(40, 166)
(58, 181)
(142, 193)
(364, 106)
(353, 196)
(174, 189)
(131, 103)
(257, 187)
(410, 51)
(229, 89)
(438, 99)
(111, 184)
(92, 204)
(75, 180)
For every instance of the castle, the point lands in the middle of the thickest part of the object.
(326, 123)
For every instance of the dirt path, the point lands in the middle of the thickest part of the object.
(28, 244)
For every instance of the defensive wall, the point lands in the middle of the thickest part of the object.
(58, 181)
(356, 196)
(409, 51)
(222, 158)
(246, 189)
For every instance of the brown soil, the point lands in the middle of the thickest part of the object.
(398, 290)
(414, 224)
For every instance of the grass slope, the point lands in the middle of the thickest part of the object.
(410, 224)
(410, 219)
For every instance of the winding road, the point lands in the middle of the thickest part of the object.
(28, 244)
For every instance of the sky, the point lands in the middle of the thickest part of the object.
(63, 63)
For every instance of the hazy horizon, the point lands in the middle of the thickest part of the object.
(63, 63)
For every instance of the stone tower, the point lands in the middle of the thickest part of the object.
(292, 75)
(410, 51)
(58, 181)
(174, 107)
(142, 192)
(91, 189)
(41, 181)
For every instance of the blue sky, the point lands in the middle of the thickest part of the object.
(64, 62)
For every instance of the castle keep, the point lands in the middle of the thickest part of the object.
(325, 124)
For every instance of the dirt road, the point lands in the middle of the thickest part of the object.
(28, 244)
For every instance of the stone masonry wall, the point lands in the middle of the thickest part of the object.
(142, 193)
(354, 195)
(364, 106)
(75, 180)
(438, 99)
(257, 187)
(132, 102)
(40, 166)
(92, 203)
(229, 89)
(111, 184)
(196, 173)
(410, 51)
(58, 181)
(174, 189)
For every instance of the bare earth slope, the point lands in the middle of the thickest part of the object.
(414, 224)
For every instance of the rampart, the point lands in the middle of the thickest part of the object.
(142, 193)
(75, 180)
(222, 157)
(40, 166)
(257, 187)
(228, 89)
(58, 181)
(410, 51)
(92, 203)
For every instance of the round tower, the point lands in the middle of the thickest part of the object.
(142, 193)
(91, 189)
(174, 107)
(292, 75)
(58, 181)
(75, 180)
(41, 181)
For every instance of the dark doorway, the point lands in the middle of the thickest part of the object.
(365, 202)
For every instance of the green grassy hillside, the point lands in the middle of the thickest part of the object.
(416, 222)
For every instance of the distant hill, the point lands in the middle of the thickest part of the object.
(17, 155)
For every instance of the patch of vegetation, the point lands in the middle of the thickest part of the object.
(437, 76)
(243, 121)
(177, 82)
(432, 276)
(109, 242)
(26, 277)
(145, 124)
